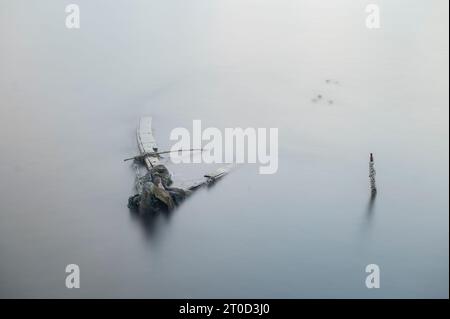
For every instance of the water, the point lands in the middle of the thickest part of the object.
(70, 101)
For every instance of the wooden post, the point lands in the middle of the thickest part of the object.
(372, 173)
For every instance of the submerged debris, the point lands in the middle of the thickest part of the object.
(156, 194)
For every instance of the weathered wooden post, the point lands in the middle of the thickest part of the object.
(372, 173)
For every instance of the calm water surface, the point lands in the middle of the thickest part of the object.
(70, 101)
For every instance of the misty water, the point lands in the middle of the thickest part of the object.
(70, 102)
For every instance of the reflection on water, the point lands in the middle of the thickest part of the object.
(371, 204)
(152, 224)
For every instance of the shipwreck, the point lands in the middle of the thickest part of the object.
(155, 192)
